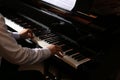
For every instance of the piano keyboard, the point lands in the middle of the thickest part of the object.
(71, 56)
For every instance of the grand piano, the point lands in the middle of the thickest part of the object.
(76, 29)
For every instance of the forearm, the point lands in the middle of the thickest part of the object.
(15, 53)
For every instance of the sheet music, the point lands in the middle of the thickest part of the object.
(65, 4)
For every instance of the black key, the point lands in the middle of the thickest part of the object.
(78, 57)
(65, 47)
(70, 52)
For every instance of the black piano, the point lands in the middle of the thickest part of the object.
(82, 34)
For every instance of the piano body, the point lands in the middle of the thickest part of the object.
(75, 31)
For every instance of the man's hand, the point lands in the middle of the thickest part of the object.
(26, 33)
(55, 50)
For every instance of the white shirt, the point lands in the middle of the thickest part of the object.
(15, 53)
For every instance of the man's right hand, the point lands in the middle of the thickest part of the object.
(55, 50)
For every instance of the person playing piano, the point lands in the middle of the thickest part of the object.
(14, 53)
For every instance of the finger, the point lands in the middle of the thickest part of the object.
(60, 54)
(59, 51)
(30, 33)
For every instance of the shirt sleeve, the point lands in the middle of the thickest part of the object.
(15, 53)
(15, 34)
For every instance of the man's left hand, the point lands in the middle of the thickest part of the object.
(26, 33)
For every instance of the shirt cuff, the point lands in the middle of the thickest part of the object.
(47, 52)
(16, 35)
